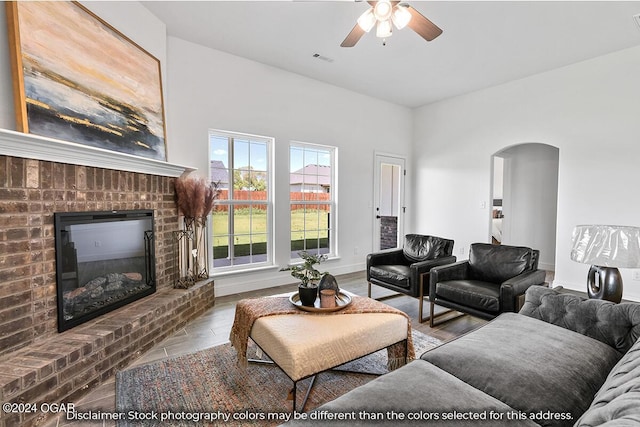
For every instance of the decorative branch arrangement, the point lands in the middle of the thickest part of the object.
(195, 197)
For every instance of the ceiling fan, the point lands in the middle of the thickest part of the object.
(383, 13)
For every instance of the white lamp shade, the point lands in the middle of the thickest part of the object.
(401, 17)
(383, 29)
(606, 245)
(367, 20)
(382, 10)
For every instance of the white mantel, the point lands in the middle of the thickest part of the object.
(29, 146)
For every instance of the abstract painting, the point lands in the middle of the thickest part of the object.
(78, 79)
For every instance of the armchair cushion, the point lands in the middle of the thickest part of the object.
(395, 274)
(420, 248)
(496, 263)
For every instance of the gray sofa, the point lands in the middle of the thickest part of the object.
(561, 361)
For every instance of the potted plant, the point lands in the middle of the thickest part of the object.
(308, 276)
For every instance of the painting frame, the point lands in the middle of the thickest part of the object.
(85, 83)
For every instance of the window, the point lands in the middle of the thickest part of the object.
(241, 218)
(312, 184)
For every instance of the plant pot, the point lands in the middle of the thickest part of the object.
(308, 295)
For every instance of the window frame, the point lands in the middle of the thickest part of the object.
(333, 201)
(268, 203)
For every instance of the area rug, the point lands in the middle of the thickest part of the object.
(207, 388)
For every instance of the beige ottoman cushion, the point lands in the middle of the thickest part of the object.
(305, 345)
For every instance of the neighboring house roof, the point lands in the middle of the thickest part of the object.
(322, 172)
(219, 173)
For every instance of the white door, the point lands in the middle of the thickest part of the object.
(388, 204)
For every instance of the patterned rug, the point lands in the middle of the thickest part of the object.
(207, 388)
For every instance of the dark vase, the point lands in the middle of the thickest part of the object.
(328, 282)
(308, 295)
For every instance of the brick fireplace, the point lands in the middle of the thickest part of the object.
(37, 363)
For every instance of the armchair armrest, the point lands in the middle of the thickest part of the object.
(455, 271)
(421, 267)
(425, 266)
(518, 285)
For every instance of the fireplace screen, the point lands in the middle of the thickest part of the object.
(104, 260)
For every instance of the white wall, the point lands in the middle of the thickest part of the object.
(588, 110)
(530, 199)
(212, 89)
(498, 177)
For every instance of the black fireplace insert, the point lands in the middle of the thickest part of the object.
(104, 260)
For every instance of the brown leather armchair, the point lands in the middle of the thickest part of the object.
(406, 270)
(490, 282)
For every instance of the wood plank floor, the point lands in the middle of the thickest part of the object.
(213, 329)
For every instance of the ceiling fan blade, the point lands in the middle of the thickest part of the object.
(353, 37)
(421, 25)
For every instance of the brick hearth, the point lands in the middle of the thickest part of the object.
(38, 364)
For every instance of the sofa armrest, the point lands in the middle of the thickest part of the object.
(616, 403)
(456, 271)
(518, 285)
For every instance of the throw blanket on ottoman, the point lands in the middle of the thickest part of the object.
(249, 310)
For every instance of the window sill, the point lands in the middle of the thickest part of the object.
(242, 270)
(295, 261)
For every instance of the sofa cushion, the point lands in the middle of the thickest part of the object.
(396, 274)
(617, 325)
(418, 247)
(471, 293)
(496, 263)
(618, 400)
(532, 366)
(418, 389)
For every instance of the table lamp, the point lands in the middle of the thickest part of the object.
(606, 248)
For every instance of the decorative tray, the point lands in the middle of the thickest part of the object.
(342, 301)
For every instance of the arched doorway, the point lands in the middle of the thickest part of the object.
(525, 194)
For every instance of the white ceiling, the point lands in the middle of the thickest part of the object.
(484, 43)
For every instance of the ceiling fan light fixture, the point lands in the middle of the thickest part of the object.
(367, 20)
(383, 10)
(400, 17)
(387, 14)
(383, 30)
